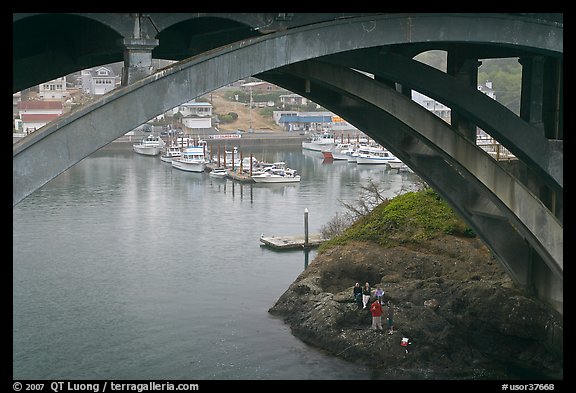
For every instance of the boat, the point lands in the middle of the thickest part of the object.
(219, 173)
(193, 159)
(150, 146)
(352, 156)
(169, 153)
(320, 142)
(375, 155)
(339, 152)
(277, 174)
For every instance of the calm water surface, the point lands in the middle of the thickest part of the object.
(124, 268)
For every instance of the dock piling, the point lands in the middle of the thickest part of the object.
(306, 228)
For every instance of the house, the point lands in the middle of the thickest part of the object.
(34, 114)
(98, 80)
(259, 87)
(195, 115)
(293, 99)
(54, 89)
(193, 108)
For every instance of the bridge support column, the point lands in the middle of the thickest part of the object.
(464, 68)
(137, 59)
(541, 105)
(532, 93)
(542, 95)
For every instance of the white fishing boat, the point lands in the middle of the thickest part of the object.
(320, 142)
(277, 174)
(170, 153)
(193, 159)
(375, 155)
(219, 173)
(150, 146)
(339, 152)
(352, 154)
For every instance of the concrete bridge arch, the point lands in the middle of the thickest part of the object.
(54, 148)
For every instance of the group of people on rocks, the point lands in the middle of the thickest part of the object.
(362, 297)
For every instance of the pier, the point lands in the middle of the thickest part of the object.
(291, 242)
(239, 176)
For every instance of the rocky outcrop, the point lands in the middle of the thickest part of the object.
(460, 311)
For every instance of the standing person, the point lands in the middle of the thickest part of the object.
(376, 309)
(358, 294)
(390, 317)
(366, 292)
(379, 293)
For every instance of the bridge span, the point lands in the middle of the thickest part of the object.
(517, 211)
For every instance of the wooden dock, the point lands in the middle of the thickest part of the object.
(290, 242)
(236, 175)
(239, 176)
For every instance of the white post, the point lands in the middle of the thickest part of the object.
(306, 228)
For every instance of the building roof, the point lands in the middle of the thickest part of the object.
(109, 72)
(305, 119)
(201, 103)
(37, 104)
(38, 117)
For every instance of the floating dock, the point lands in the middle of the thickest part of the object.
(289, 242)
(239, 176)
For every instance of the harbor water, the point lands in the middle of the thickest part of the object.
(124, 268)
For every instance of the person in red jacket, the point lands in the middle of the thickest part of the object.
(376, 309)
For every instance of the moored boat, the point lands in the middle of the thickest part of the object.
(375, 155)
(219, 173)
(339, 152)
(320, 142)
(150, 146)
(277, 175)
(170, 153)
(193, 159)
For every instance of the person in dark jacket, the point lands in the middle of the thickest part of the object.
(358, 295)
(390, 317)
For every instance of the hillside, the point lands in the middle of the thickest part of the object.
(223, 106)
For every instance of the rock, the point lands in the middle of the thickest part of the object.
(484, 321)
(432, 304)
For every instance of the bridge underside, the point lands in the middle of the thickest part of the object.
(520, 221)
(460, 171)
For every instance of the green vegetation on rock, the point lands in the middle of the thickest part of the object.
(411, 217)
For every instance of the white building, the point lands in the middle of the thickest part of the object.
(195, 115)
(54, 89)
(293, 99)
(98, 81)
(35, 114)
(193, 108)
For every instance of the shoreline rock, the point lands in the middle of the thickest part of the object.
(460, 311)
